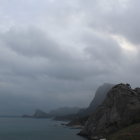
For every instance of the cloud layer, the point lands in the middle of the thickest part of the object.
(56, 53)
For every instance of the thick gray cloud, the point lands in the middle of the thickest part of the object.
(57, 52)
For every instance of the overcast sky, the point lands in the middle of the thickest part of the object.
(56, 53)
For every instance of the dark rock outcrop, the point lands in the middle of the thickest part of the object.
(120, 108)
(78, 121)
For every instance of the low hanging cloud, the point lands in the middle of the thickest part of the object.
(57, 53)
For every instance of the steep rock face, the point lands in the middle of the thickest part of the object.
(97, 100)
(99, 97)
(82, 116)
(120, 108)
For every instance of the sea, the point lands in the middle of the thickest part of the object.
(12, 128)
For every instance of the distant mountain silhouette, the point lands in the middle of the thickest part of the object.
(64, 111)
(55, 114)
(38, 114)
(41, 114)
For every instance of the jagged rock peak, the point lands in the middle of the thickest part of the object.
(124, 89)
(121, 85)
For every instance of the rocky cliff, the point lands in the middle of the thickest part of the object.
(81, 117)
(120, 108)
(99, 97)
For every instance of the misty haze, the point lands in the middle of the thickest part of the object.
(69, 69)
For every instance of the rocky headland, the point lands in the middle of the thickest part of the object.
(38, 114)
(114, 109)
(120, 109)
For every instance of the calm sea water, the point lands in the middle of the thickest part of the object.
(35, 129)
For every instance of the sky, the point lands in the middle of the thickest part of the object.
(55, 53)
